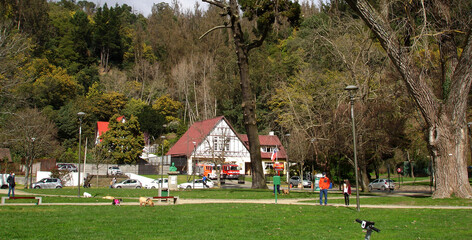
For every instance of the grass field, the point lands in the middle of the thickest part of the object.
(228, 221)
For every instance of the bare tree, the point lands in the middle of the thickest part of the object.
(31, 135)
(444, 113)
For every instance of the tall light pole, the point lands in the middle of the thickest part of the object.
(351, 89)
(194, 165)
(31, 166)
(81, 115)
(287, 135)
(162, 164)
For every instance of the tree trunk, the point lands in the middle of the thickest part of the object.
(450, 151)
(445, 118)
(27, 173)
(363, 178)
(412, 171)
(248, 104)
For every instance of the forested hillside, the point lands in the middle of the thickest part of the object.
(61, 58)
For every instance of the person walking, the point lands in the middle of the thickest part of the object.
(346, 191)
(11, 184)
(205, 182)
(324, 185)
(113, 181)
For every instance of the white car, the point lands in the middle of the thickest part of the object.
(157, 184)
(128, 183)
(198, 184)
(114, 170)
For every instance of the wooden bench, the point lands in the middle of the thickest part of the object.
(168, 198)
(40, 199)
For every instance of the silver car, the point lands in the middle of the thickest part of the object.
(382, 184)
(128, 183)
(48, 183)
(295, 180)
(66, 167)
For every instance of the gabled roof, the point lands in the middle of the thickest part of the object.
(102, 127)
(196, 133)
(267, 140)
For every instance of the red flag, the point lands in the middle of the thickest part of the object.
(274, 155)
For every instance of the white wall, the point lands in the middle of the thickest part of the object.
(73, 178)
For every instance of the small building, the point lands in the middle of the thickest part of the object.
(215, 141)
(102, 128)
(272, 151)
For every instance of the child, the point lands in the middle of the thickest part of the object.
(346, 191)
(116, 202)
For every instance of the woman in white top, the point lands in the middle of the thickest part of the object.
(346, 191)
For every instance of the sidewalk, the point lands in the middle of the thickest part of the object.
(284, 201)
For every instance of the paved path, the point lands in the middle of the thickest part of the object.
(287, 201)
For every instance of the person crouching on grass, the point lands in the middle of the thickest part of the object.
(324, 185)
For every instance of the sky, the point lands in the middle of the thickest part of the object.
(144, 6)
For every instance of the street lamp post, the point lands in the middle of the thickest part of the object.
(162, 164)
(81, 115)
(288, 163)
(351, 89)
(31, 166)
(194, 165)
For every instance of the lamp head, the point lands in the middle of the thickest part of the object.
(80, 114)
(351, 88)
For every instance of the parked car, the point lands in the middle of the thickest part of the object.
(382, 184)
(157, 184)
(198, 184)
(66, 167)
(295, 180)
(48, 183)
(128, 183)
(114, 170)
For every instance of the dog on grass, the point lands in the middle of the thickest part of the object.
(87, 195)
(146, 201)
(285, 192)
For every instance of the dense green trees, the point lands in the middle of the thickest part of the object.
(68, 56)
(123, 143)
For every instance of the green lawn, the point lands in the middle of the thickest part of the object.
(196, 193)
(228, 221)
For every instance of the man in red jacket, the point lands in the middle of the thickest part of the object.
(324, 185)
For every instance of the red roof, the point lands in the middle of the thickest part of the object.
(270, 141)
(200, 130)
(196, 133)
(102, 127)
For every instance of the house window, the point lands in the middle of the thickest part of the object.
(221, 143)
(268, 149)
